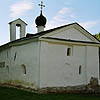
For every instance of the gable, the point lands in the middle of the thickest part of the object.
(18, 21)
(72, 32)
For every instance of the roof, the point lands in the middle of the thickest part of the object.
(54, 29)
(48, 31)
(18, 19)
(37, 35)
(69, 40)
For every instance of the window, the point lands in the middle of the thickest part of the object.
(23, 68)
(68, 51)
(15, 56)
(80, 69)
(18, 30)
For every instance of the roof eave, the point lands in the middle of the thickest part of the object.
(68, 41)
(18, 42)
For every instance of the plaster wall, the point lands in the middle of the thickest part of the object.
(4, 71)
(26, 54)
(57, 69)
(72, 34)
(92, 62)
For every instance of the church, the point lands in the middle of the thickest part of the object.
(60, 57)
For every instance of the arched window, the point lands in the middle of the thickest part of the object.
(23, 68)
(80, 69)
(68, 51)
(15, 56)
(18, 26)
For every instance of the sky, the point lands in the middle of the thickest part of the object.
(57, 12)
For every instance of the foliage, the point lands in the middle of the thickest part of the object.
(97, 36)
(15, 94)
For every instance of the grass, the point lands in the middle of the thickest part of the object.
(15, 94)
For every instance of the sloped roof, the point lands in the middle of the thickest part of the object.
(18, 19)
(54, 29)
(69, 40)
(37, 35)
(48, 31)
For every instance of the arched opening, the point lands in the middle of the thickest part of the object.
(18, 30)
(23, 68)
(15, 56)
(80, 69)
(68, 51)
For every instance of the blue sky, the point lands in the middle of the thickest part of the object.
(57, 12)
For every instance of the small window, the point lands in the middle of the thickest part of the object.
(15, 56)
(68, 51)
(80, 69)
(23, 68)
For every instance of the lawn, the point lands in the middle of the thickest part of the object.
(15, 94)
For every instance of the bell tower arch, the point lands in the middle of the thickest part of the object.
(19, 23)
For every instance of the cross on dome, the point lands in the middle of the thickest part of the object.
(41, 5)
(41, 20)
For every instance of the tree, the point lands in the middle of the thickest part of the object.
(97, 36)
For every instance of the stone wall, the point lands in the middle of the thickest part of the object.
(69, 89)
(92, 87)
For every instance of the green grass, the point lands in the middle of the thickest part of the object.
(15, 94)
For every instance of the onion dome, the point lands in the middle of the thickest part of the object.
(41, 20)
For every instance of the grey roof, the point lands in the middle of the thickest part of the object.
(34, 36)
(54, 29)
(18, 19)
(69, 40)
(48, 31)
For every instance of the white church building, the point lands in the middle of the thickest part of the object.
(64, 56)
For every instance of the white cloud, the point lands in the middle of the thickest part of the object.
(18, 9)
(64, 16)
(64, 11)
(90, 24)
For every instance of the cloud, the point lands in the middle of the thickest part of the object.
(89, 24)
(63, 16)
(66, 16)
(18, 9)
(64, 11)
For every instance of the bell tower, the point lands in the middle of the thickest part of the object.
(18, 23)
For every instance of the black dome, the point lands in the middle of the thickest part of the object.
(41, 20)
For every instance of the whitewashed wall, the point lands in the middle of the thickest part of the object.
(27, 54)
(5, 57)
(72, 34)
(92, 62)
(58, 69)
(48, 65)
